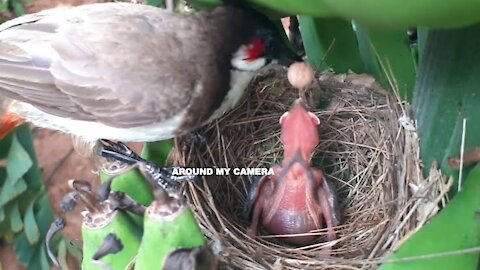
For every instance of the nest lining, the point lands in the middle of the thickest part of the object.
(366, 152)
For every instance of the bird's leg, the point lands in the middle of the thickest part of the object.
(164, 176)
(119, 151)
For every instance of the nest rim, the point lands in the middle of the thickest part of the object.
(383, 178)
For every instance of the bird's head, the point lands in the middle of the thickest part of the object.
(299, 131)
(262, 44)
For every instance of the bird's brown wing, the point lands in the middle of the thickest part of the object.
(121, 64)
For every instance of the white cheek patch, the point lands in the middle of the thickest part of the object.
(240, 61)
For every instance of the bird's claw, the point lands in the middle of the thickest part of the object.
(162, 176)
(179, 178)
(119, 151)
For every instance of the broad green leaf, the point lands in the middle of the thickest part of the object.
(155, 3)
(17, 6)
(5, 231)
(19, 162)
(11, 190)
(2, 215)
(387, 14)
(456, 227)
(211, 4)
(448, 90)
(387, 56)
(16, 223)
(331, 40)
(5, 146)
(73, 250)
(39, 261)
(312, 8)
(3, 176)
(44, 262)
(62, 255)
(33, 176)
(205, 4)
(31, 228)
(21, 185)
(422, 33)
(23, 250)
(4, 7)
(43, 213)
(29, 254)
(24, 136)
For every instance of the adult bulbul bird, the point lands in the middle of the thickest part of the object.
(131, 72)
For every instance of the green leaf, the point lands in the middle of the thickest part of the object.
(422, 33)
(73, 250)
(4, 6)
(204, 4)
(31, 256)
(5, 146)
(12, 190)
(5, 231)
(39, 260)
(2, 215)
(456, 227)
(44, 258)
(312, 8)
(62, 255)
(16, 223)
(155, 3)
(23, 250)
(44, 213)
(333, 40)
(17, 7)
(446, 91)
(33, 176)
(31, 229)
(211, 4)
(387, 56)
(391, 14)
(19, 162)
(3, 176)
(23, 188)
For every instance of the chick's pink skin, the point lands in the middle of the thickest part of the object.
(299, 132)
(295, 200)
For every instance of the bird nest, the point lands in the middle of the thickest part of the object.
(368, 150)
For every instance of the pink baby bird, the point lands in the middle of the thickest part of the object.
(297, 199)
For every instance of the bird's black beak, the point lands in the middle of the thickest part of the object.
(287, 56)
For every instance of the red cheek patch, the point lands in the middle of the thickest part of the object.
(255, 49)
